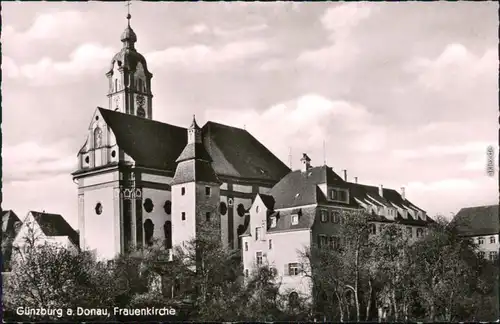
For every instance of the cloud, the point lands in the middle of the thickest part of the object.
(339, 21)
(303, 124)
(202, 57)
(202, 28)
(87, 59)
(29, 161)
(453, 66)
(433, 151)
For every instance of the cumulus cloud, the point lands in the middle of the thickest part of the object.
(303, 124)
(201, 57)
(86, 59)
(453, 66)
(339, 21)
(30, 161)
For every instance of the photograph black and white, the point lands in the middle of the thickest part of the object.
(250, 161)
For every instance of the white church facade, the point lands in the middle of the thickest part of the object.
(126, 171)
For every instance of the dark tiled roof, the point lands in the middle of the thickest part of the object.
(284, 219)
(476, 221)
(56, 225)
(150, 143)
(235, 152)
(194, 151)
(194, 170)
(268, 201)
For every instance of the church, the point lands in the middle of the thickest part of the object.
(140, 180)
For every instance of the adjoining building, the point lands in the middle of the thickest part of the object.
(305, 209)
(481, 225)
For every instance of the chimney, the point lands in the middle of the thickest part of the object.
(345, 175)
(403, 193)
(355, 179)
(306, 162)
(381, 191)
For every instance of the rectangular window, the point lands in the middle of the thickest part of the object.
(273, 222)
(373, 229)
(335, 216)
(480, 254)
(183, 215)
(246, 273)
(493, 255)
(409, 230)
(322, 241)
(492, 239)
(207, 191)
(334, 242)
(293, 269)
(183, 191)
(480, 240)
(246, 246)
(257, 233)
(270, 244)
(324, 216)
(258, 256)
(207, 216)
(333, 194)
(420, 232)
(295, 219)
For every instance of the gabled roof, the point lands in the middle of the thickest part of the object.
(10, 228)
(55, 225)
(9, 220)
(234, 151)
(237, 153)
(150, 143)
(477, 221)
(300, 188)
(268, 201)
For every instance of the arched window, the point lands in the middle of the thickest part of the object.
(223, 208)
(149, 228)
(97, 137)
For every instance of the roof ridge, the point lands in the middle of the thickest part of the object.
(224, 125)
(133, 116)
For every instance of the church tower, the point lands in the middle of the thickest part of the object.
(129, 79)
(195, 190)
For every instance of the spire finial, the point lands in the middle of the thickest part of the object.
(129, 3)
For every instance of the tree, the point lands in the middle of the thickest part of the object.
(445, 270)
(49, 276)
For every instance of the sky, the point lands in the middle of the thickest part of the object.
(398, 94)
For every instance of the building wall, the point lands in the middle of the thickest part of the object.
(286, 247)
(101, 232)
(158, 215)
(487, 246)
(183, 230)
(207, 203)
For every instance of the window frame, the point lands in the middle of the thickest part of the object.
(246, 246)
(294, 266)
(183, 191)
(257, 255)
(323, 215)
(273, 222)
(480, 240)
(294, 216)
(208, 191)
(492, 239)
(257, 233)
(270, 244)
(183, 216)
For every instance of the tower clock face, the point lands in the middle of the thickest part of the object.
(140, 101)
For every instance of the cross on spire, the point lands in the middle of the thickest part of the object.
(129, 3)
